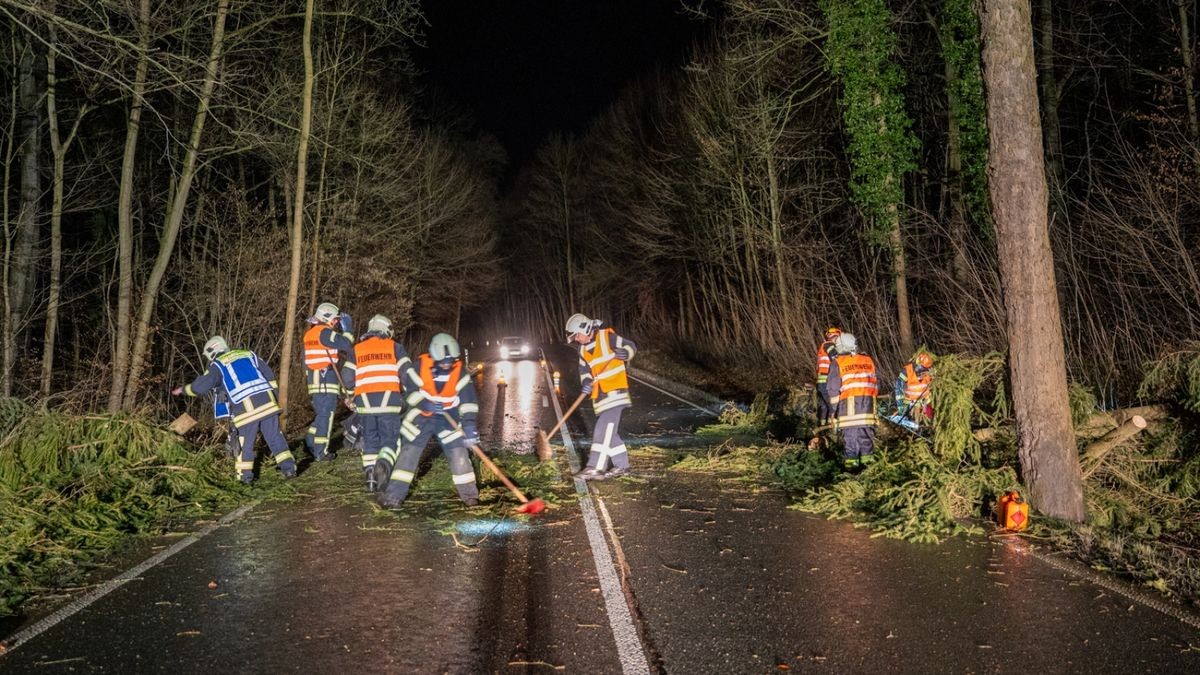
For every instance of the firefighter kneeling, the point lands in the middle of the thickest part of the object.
(444, 389)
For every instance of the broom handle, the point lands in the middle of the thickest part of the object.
(489, 463)
(570, 410)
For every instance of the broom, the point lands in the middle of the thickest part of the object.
(544, 452)
(529, 506)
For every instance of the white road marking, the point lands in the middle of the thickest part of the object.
(11, 644)
(630, 651)
(702, 409)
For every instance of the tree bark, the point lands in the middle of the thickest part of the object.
(1020, 204)
(297, 234)
(175, 210)
(1189, 69)
(10, 148)
(133, 124)
(24, 268)
(58, 147)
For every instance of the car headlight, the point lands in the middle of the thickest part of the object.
(524, 349)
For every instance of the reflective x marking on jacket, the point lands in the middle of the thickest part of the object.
(600, 366)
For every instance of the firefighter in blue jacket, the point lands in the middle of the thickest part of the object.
(250, 387)
(326, 343)
(442, 388)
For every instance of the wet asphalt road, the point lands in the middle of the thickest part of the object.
(720, 579)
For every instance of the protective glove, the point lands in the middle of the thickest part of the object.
(586, 389)
(347, 323)
(621, 353)
(429, 406)
(177, 391)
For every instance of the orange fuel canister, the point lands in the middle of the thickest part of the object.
(1013, 512)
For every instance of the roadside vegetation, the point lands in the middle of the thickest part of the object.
(1141, 493)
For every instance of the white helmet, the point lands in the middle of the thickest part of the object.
(444, 346)
(846, 343)
(380, 324)
(579, 324)
(326, 312)
(215, 347)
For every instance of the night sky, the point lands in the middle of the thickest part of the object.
(525, 68)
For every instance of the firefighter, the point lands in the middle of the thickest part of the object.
(328, 341)
(602, 357)
(249, 386)
(824, 410)
(444, 403)
(852, 387)
(912, 388)
(375, 375)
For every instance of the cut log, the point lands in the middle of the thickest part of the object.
(1103, 422)
(1095, 452)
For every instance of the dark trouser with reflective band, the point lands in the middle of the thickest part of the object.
(401, 470)
(317, 440)
(380, 434)
(824, 409)
(269, 426)
(607, 444)
(859, 445)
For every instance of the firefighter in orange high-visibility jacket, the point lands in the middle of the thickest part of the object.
(852, 386)
(250, 387)
(912, 388)
(602, 358)
(824, 410)
(326, 343)
(444, 404)
(378, 375)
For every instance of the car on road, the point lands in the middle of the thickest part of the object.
(514, 347)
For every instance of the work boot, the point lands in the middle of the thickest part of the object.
(591, 473)
(471, 501)
(288, 473)
(617, 472)
(325, 457)
(390, 499)
(380, 475)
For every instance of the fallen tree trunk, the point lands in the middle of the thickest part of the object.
(1095, 452)
(1097, 425)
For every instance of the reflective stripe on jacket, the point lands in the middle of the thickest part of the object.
(823, 362)
(317, 356)
(376, 366)
(916, 386)
(852, 387)
(608, 372)
(442, 388)
(241, 374)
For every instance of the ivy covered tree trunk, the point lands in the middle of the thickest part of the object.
(862, 53)
(1020, 203)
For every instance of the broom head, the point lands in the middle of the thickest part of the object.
(532, 507)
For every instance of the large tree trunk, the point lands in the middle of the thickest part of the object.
(297, 234)
(58, 147)
(24, 268)
(10, 151)
(175, 210)
(120, 369)
(1049, 460)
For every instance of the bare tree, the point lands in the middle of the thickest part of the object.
(297, 232)
(1020, 206)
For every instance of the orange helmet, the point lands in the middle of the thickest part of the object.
(832, 332)
(923, 360)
